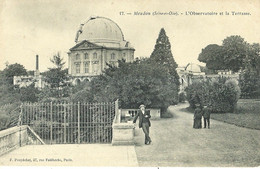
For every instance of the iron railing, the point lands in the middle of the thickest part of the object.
(59, 123)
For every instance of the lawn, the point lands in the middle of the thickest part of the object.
(246, 115)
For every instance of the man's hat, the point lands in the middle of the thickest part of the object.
(142, 106)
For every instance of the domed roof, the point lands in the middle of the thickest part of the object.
(100, 29)
(193, 67)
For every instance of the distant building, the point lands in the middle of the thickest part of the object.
(192, 72)
(37, 79)
(98, 41)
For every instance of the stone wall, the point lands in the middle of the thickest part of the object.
(13, 138)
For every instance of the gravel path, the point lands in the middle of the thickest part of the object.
(177, 144)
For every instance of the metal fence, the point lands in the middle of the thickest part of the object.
(59, 123)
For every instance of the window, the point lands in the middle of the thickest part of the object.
(113, 56)
(78, 68)
(77, 56)
(124, 57)
(86, 56)
(95, 66)
(86, 67)
(95, 55)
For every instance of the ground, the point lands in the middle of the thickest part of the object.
(175, 143)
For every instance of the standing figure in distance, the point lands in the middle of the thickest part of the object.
(144, 122)
(206, 116)
(197, 117)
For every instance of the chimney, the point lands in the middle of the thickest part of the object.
(37, 72)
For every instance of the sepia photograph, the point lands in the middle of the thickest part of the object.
(130, 83)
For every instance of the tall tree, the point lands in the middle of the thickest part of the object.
(252, 61)
(162, 54)
(57, 60)
(235, 51)
(56, 77)
(213, 56)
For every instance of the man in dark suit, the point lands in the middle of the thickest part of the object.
(144, 122)
(206, 116)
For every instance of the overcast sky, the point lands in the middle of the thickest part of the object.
(44, 27)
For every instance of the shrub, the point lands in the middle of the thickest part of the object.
(9, 115)
(221, 94)
(182, 97)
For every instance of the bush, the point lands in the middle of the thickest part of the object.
(221, 94)
(182, 97)
(9, 115)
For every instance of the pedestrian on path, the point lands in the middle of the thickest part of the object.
(206, 116)
(144, 122)
(197, 117)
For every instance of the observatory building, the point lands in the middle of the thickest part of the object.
(98, 41)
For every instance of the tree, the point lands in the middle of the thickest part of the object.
(249, 83)
(140, 82)
(13, 70)
(252, 61)
(213, 56)
(56, 77)
(235, 51)
(57, 60)
(162, 55)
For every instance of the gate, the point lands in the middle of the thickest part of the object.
(60, 123)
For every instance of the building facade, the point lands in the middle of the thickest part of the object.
(99, 42)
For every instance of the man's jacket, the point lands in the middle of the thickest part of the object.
(142, 117)
(206, 112)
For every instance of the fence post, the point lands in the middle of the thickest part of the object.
(51, 121)
(64, 122)
(116, 110)
(20, 125)
(78, 122)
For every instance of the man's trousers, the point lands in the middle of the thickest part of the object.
(145, 127)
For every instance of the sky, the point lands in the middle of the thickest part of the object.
(45, 27)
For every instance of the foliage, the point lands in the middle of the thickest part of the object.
(249, 82)
(29, 94)
(9, 114)
(213, 56)
(182, 97)
(57, 60)
(56, 77)
(133, 84)
(7, 93)
(221, 94)
(162, 55)
(13, 70)
(235, 50)
(253, 58)
(234, 54)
